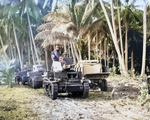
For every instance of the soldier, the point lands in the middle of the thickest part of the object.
(56, 54)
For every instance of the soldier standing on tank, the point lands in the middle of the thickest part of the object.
(56, 53)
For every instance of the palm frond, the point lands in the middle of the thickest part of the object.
(79, 9)
(88, 13)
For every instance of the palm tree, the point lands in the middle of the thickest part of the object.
(120, 30)
(29, 9)
(14, 30)
(129, 18)
(114, 40)
(9, 16)
(144, 40)
(3, 39)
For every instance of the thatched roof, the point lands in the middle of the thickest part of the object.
(43, 27)
(55, 18)
(42, 35)
(68, 29)
(60, 33)
(61, 15)
(97, 25)
(61, 36)
(51, 41)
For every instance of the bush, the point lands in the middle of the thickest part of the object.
(8, 75)
(144, 94)
(131, 73)
(113, 70)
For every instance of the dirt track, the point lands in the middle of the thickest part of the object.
(123, 104)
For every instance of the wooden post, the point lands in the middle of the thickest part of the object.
(100, 48)
(97, 44)
(107, 56)
(65, 47)
(105, 51)
(46, 59)
(69, 49)
(89, 42)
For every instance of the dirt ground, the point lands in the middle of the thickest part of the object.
(123, 104)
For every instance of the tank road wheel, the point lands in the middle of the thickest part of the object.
(46, 90)
(33, 84)
(24, 80)
(53, 91)
(16, 80)
(104, 85)
(85, 92)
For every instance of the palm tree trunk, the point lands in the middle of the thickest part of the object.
(17, 46)
(22, 54)
(89, 42)
(3, 46)
(75, 51)
(73, 55)
(114, 40)
(32, 49)
(76, 46)
(144, 42)
(15, 54)
(113, 59)
(29, 53)
(126, 46)
(132, 60)
(30, 29)
(113, 20)
(120, 33)
(10, 44)
(54, 4)
(12, 54)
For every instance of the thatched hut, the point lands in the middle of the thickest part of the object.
(63, 34)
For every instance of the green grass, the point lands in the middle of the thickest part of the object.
(13, 103)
